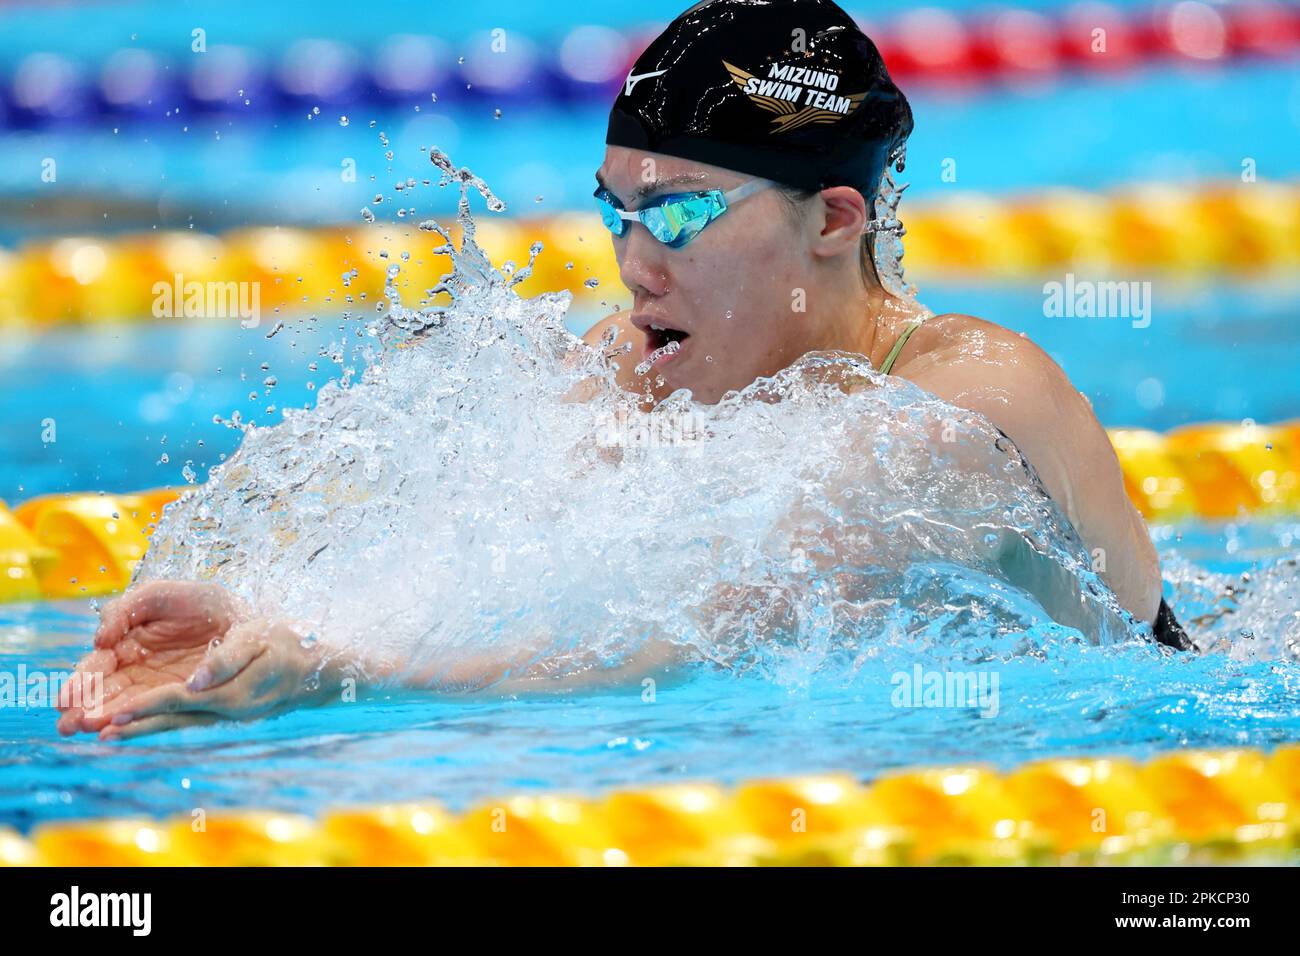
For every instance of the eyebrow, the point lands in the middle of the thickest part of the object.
(645, 190)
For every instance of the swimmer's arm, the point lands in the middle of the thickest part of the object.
(526, 670)
(1027, 395)
(174, 654)
(265, 670)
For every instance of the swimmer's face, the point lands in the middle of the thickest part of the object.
(732, 294)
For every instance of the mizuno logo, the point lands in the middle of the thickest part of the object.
(634, 78)
(798, 96)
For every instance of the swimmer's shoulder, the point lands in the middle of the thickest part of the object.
(620, 322)
(1017, 386)
(1005, 376)
(1002, 375)
(956, 342)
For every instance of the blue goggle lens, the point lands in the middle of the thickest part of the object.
(609, 214)
(673, 220)
(677, 222)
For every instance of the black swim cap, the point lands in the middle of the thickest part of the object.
(789, 90)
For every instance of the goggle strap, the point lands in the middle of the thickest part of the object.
(746, 189)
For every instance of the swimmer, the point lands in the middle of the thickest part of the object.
(744, 155)
(739, 183)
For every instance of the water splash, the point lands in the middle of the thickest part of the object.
(486, 499)
(1248, 616)
(888, 229)
(671, 348)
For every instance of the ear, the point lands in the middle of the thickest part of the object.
(840, 218)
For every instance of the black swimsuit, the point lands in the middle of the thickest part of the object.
(1169, 632)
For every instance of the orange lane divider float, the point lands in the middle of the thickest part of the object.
(1243, 229)
(1188, 807)
(1212, 471)
(75, 545)
(82, 545)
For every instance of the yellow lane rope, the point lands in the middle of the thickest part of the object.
(82, 545)
(1234, 229)
(1187, 807)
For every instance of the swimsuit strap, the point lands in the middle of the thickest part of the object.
(888, 363)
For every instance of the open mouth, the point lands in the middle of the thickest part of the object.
(662, 341)
(657, 336)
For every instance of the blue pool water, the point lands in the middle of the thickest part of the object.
(187, 172)
(1082, 700)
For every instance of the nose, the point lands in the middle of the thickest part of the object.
(642, 262)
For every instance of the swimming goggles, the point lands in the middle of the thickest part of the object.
(677, 218)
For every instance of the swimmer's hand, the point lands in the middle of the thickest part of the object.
(151, 636)
(162, 670)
